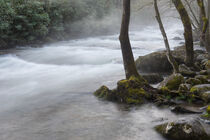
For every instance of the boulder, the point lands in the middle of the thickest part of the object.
(202, 78)
(185, 87)
(131, 91)
(172, 82)
(202, 88)
(186, 71)
(155, 62)
(186, 109)
(104, 93)
(183, 130)
(205, 96)
(207, 65)
(193, 81)
(153, 78)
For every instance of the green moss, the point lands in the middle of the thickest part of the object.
(208, 109)
(164, 90)
(193, 81)
(194, 90)
(103, 92)
(174, 82)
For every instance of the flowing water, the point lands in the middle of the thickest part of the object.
(46, 93)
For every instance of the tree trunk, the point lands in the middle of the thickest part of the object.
(208, 32)
(204, 20)
(129, 63)
(189, 60)
(169, 55)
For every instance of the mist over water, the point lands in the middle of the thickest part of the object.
(46, 93)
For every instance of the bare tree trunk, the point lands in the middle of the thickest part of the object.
(208, 32)
(189, 60)
(129, 63)
(204, 21)
(169, 55)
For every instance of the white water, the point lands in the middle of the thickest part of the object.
(54, 85)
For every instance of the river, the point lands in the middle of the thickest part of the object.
(46, 93)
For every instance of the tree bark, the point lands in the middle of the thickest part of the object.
(128, 59)
(208, 32)
(204, 20)
(189, 60)
(168, 51)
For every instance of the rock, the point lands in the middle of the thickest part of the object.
(183, 130)
(158, 62)
(202, 88)
(186, 109)
(193, 81)
(131, 91)
(185, 87)
(200, 57)
(205, 96)
(155, 62)
(177, 38)
(202, 78)
(207, 65)
(172, 82)
(153, 78)
(186, 71)
(104, 93)
(203, 72)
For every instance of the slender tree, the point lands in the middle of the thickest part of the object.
(128, 59)
(168, 51)
(189, 60)
(208, 31)
(204, 20)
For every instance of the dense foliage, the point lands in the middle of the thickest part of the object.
(28, 21)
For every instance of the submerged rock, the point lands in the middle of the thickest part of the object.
(173, 82)
(183, 130)
(153, 78)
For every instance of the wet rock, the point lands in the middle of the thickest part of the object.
(177, 38)
(155, 62)
(202, 88)
(193, 81)
(203, 72)
(186, 109)
(183, 130)
(153, 78)
(186, 71)
(104, 93)
(207, 64)
(205, 96)
(200, 57)
(158, 62)
(185, 87)
(131, 91)
(202, 78)
(172, 82)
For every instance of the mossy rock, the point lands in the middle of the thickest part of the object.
(105, 93)
(131, 91)
(183, 130)
(207, 65)
(202, 88)
(173, 82)
(193, 81)
(184, 87)
(202, 78)
(186, 71)
(205, 96)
